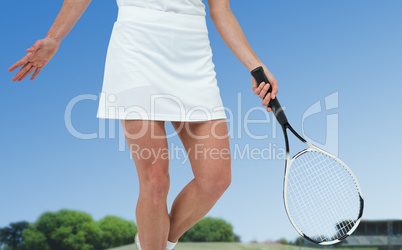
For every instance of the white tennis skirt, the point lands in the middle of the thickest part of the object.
(159, 67)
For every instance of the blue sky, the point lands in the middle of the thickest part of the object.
(314, 49)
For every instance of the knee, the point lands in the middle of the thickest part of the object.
(155, 184)
(222, 181)
(222, 185)
(215, 186)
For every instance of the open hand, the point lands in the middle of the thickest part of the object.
(38, 56)
(262, 89)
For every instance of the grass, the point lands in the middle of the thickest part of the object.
(233, 246)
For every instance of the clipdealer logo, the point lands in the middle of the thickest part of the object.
(238, 122)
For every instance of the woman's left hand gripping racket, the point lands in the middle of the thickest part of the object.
(322, 197)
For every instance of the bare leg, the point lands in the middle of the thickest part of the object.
(143, 138)
(207, 145)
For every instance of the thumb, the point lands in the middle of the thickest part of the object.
(34, 47)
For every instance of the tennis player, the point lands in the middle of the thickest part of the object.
(159, 69)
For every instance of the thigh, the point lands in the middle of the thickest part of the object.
(148, 146)
(207, 145)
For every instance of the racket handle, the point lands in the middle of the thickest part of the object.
(259, 76)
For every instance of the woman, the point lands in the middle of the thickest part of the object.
(159, 68)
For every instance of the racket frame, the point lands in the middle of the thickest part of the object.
(288, 164)
(259, 76)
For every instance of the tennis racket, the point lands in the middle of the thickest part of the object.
(322, 197)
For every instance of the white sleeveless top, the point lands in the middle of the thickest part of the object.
(189, 7)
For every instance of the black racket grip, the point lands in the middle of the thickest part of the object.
(259, 76)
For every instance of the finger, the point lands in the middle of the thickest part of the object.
(267, 99)
(36, 73)
(269, 109)
(22, 71)
(27, 73)
(258, 89)
(18, 64)
(261, 86)
(264, 91)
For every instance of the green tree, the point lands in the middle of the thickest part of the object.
(209, 229)
(116, 231)
(35, 240)
(11, 236)
(63, 230)
(283, 241)
(299, 241)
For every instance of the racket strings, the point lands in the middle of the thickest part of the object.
(327, 191)
(324, 191)
(308, 205)
(322, 196)
(315, 177)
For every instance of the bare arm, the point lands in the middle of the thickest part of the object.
(43, 50)
(231, 33)
(69, 14)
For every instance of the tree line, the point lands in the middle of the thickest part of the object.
(298, 242)
(76, 230)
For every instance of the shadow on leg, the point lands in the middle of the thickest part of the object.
(207, 145)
